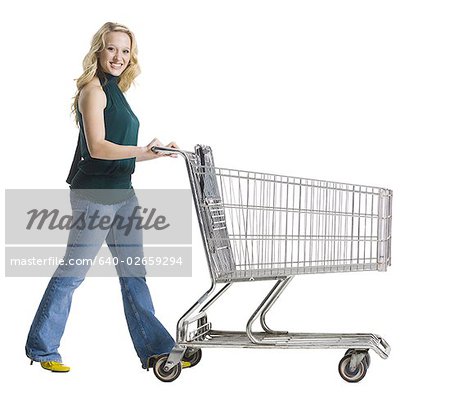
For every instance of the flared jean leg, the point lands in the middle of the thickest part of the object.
(50, 320)
(148, 334)
(49, 323)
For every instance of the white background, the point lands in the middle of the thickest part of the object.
(352, 91)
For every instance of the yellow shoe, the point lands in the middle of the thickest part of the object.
(54, 366)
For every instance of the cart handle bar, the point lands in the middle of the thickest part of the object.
(163, 149)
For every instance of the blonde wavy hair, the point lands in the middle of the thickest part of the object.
(91, 64)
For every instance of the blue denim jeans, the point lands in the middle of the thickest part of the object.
(149, 336)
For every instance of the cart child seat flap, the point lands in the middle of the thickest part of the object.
(213, 214)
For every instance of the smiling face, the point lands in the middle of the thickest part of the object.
(114, 58)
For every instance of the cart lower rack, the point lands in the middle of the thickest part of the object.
(258, 226)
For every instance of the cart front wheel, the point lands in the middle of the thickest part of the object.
(193, 357)
(161, 374)
(352, 375)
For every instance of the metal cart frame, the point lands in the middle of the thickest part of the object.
(258, 226)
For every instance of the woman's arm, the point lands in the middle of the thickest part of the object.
(92, 102)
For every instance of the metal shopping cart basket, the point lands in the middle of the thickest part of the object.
(258, 226)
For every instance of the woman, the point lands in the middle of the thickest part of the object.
(101, 183)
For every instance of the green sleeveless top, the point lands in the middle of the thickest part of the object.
(112, 176)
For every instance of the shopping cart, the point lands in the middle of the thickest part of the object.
(258, 226)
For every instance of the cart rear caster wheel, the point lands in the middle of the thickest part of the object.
(161, 374)
(366, 359)
(353, 375)
(193, 357)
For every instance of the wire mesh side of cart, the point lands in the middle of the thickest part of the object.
(265, 226)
